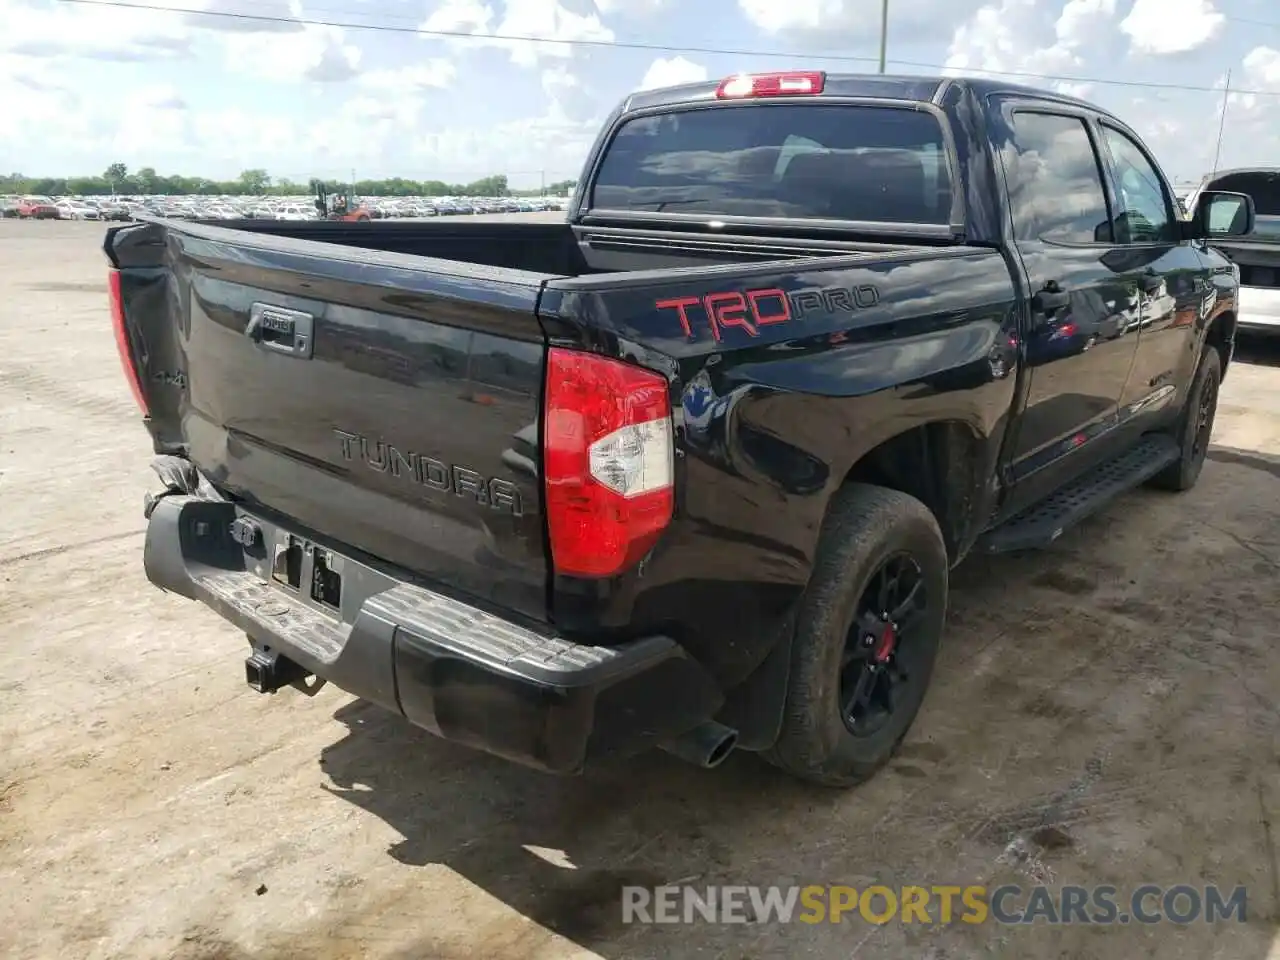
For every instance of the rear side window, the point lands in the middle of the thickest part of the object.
(1055, 183)
(811, 161)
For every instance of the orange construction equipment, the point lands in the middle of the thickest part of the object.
(339, 207)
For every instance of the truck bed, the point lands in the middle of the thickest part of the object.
(554, 249)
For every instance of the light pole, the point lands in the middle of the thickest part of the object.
(884, 31)
(1222, 122)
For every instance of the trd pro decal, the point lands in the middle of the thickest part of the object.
(749, 310)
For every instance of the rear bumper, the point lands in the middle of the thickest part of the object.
(460, 672)
(1259, 310)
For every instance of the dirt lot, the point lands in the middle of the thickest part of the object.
(1104, 713)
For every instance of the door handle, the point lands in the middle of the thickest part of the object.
(1050, 298)
(288, 332)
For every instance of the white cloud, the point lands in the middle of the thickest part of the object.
(315, 53)
(289, 51)
(1253, 116)
(35, 76)
(551, 28)
(665, 72)
(1261, 72)
(460, 16)
(821, 22)
(632, 8)
(43, 92)
(109, 83)
(1081, 21)
(551, 144)
(99, 34)
(162, 97)
(996, 38)
(236, 16)
(797, 15)
(568, 94)
(558, 82)
(1162, 27)
(149, 115)
(396, 82)
(239, 137)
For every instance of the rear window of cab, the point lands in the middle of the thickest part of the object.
(806, 161)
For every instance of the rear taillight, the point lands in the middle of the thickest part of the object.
(608, 462)
(122, 341)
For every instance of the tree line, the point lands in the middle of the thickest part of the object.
(119, 179)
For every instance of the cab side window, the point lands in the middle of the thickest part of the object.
(1146, 214)
(1055, 180)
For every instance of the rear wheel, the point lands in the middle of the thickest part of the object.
(866, 639)
(1195, 426)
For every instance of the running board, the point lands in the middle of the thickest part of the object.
(1042, 523)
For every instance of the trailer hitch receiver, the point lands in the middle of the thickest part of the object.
(267, 671)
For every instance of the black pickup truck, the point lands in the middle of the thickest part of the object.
(691, 469)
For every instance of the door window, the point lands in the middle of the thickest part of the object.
(1146, 215)
(1054, 181)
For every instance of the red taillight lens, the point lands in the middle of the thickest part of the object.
(745, 85)
(122, 341)
(608, 461)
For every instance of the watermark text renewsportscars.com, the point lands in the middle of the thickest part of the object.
(1008, 904)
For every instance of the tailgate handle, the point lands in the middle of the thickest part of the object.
(290, 332)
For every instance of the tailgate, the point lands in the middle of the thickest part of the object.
(383, 402)
(1258, 260)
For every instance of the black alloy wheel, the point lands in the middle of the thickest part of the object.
(1206, 410)
(1194, 430)
(866, 636)
(876, 669)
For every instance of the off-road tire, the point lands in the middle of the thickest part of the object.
(864, 526)
(1193, 442)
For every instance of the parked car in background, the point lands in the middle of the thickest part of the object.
(37, 208)
(114, 210)
(10, 207)
(1257, 255)
(221, 211)
(76, 210)
(188, 207)
(295, 211)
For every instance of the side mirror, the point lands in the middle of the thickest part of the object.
(1218, 213)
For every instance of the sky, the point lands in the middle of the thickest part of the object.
(460, 89)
